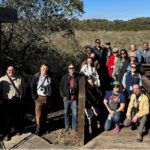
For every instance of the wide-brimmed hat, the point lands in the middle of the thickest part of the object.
(115, 50)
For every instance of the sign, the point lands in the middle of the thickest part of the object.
(8, 15)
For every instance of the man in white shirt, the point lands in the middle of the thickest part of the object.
(41, 92)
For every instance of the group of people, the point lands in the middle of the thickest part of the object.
(113, 79)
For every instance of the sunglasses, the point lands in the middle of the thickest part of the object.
(115, 52)
(133, 67)
(116, 86)
(71, 68)
(97, 42)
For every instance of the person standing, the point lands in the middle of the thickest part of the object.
(41, 94)
(112, 62)
(146, 53)
(98, 50)
(131, 78)
(134, 50)
(12, 93)
(108, 50)
(69, 92)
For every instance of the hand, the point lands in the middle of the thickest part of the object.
(134, 119)
(65, 98)
(112, 67)
(111, 113)
(129, 117)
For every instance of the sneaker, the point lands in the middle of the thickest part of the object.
(66, 129)
(117, 128)
(6, 138)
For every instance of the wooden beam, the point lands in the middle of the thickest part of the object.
(81, 113)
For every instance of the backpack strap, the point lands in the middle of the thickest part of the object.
(13, 84)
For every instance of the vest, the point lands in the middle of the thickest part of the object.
(131, 79)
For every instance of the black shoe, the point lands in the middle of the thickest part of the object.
(38, 133)
(140, 138)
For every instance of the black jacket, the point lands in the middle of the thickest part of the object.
(33, 85)
(64, 86)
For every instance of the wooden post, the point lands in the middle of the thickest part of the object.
(1, 53)
(81, 113)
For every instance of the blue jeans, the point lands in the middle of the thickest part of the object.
(73, 105)
(116, 119)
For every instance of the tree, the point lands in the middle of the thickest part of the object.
(37, 18)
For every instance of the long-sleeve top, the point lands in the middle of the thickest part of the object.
(7, 90)
(89, 70)
(143, 105)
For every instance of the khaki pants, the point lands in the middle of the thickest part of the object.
(141, 124)
(42, 105)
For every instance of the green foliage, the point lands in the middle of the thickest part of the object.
(137, 24)
(26, 41)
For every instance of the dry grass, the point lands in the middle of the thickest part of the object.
(120, 39)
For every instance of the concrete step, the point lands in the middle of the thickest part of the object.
(126, 139)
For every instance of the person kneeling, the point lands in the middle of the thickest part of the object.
(138, 110)
(115, 104)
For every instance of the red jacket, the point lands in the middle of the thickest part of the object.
(110, 62)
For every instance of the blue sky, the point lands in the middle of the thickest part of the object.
(116, 9)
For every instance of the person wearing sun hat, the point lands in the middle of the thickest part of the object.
(113, 63)
(114, 102)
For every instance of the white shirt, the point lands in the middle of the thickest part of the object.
(89, 70)
(45, 89)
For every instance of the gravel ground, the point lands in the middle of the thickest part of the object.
(61, 137)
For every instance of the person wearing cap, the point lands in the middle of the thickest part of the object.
(112, 61)
(114, 102)
(145, 53)
(130, 78)
(108, 50)
(137, 111)
(133, 49)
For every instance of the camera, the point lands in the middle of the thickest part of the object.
(72, 92)
(44, 89)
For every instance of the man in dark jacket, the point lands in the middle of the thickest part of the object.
(69, 93)
(41, 93)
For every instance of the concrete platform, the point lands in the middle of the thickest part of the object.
(126, 139)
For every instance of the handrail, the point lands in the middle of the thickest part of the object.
(146, 85)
